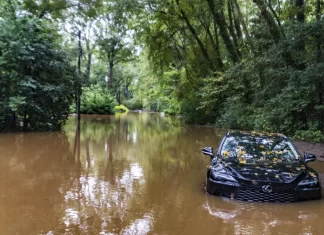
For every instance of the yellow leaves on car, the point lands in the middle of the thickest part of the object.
(226, 154)
(241, 152)
(242, 161)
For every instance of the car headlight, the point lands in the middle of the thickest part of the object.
(313, 182)
(223, 178)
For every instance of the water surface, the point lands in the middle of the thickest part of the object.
(129, 174)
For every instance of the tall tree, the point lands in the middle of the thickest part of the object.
(36, 76)
(266, 15)
(300, 16)
(220, 21)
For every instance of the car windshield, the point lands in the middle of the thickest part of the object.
(249, 149)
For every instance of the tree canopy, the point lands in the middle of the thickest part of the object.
(36, 78)
(254, 64)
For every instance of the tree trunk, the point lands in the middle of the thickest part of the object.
(215, 44)
(245, 29)
(89, 59)
(276, 17)
(273, 27)
(318, 40)
(236, 17)
(220, 21)
(118, 95)
(231, 25)
(13, 122)
(195, 35)
(25, 122)
(318, 59)
(300, 16)
(110, 75)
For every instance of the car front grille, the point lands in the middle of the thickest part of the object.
(254, 193)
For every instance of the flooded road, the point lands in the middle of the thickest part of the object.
(129, 174)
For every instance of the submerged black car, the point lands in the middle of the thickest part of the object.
(261, 167)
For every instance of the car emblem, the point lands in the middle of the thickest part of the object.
(267, 188)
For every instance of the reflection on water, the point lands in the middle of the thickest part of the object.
(129, 174)
(267, 218)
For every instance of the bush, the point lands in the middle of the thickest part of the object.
(314, 136)
(37, 80)
(193, 113)
(97, 100)
(120, 109)
(134, 104)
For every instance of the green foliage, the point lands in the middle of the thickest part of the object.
(121, 109)
(36, 78)
(314, 136)
(96, 100)
(277, 90)
(134, 104)
(57, 8)
(246, 65)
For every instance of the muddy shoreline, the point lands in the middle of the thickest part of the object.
(318, 150)
(308, 147)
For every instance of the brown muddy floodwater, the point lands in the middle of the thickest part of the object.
(129, 174)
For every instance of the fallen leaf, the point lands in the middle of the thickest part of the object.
(242, 161)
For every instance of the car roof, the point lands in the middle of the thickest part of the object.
(255, 133)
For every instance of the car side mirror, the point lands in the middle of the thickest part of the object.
(308, 157)
(208, 151)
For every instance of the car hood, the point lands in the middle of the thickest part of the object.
(275, 172)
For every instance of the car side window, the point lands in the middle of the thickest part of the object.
(229, 147)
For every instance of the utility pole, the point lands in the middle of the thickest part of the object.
(79, 75)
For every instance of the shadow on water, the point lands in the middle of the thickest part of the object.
(128, 174)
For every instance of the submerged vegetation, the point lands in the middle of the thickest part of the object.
(254, 64)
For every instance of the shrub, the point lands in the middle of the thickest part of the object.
(120, 109)
(134, 104)
(96, 100)
(314, 136)
(37, 80)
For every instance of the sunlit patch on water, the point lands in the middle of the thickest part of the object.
(134, 137)
(71, 217)
(127, 181)
(140, 226)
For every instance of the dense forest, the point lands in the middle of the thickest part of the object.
(241, 64)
